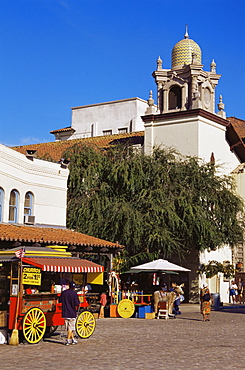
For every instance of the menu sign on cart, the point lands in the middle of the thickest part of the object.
(31, 276)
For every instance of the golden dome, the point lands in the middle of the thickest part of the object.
(183, 50)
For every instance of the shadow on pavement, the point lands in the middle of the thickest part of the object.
(231, 310)
(190, 319)
(53, 340)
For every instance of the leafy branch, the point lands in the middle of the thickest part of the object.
(214, 267)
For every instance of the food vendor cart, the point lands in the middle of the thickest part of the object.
(34, 280)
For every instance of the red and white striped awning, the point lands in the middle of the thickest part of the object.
(56, 264)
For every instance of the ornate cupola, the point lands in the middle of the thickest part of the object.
(186, 85)
(182, 52)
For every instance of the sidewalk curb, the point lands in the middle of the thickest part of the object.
(228, 307)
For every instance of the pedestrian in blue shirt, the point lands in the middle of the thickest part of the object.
(70, 302)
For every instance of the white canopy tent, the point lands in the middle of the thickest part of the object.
(160, 265)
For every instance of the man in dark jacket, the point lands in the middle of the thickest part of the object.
(70, 302)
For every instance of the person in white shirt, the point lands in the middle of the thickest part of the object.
(233, 291)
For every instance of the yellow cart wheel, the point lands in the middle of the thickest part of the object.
(126, 308)
(85, 324)
(34, 325)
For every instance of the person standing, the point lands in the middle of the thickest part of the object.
(103, 302)
(70, 302)
(233, 291)
(205, 298)
(240, 286)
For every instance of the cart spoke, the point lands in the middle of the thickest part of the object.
(28, 332)
(85, 324)
(34, 325)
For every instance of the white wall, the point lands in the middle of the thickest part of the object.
(181, 134)
(108, 116)
(46, 180)
(222, 254)
(211, 138)
(191, 136)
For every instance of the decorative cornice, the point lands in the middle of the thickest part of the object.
(186, 113)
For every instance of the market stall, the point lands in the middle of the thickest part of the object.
(122, 293)
(34, 279)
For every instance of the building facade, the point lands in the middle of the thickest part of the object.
(32, 191)
(110, 118)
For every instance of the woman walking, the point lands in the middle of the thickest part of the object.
(205, 306)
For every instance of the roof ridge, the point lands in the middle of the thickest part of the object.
(233, 117)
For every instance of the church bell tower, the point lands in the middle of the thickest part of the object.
(184, 117)
(186, 85)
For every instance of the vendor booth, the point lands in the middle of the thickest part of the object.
(133, 290)
(32, 280)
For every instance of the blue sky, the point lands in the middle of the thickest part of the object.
(58, 54)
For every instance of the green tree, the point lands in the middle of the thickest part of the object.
(159, 205)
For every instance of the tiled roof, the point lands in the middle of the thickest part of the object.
(235, 135)
(238, 125)
(55, 150)
(32, 234)
(62, 130)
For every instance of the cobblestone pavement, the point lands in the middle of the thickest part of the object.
(182, 343)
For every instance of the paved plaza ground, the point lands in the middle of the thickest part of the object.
(124, 344)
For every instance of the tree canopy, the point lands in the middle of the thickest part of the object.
(161, 204)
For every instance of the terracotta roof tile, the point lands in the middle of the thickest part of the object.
(235, 136)
(55, 150)
(62, 130)
(238, 125)
(33, 234)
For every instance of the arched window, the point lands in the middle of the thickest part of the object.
(13, 206)
(28, 205)
(1, 203)
(175, 97)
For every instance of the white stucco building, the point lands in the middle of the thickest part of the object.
(115, 117)
(32, 191)
(193, 133)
